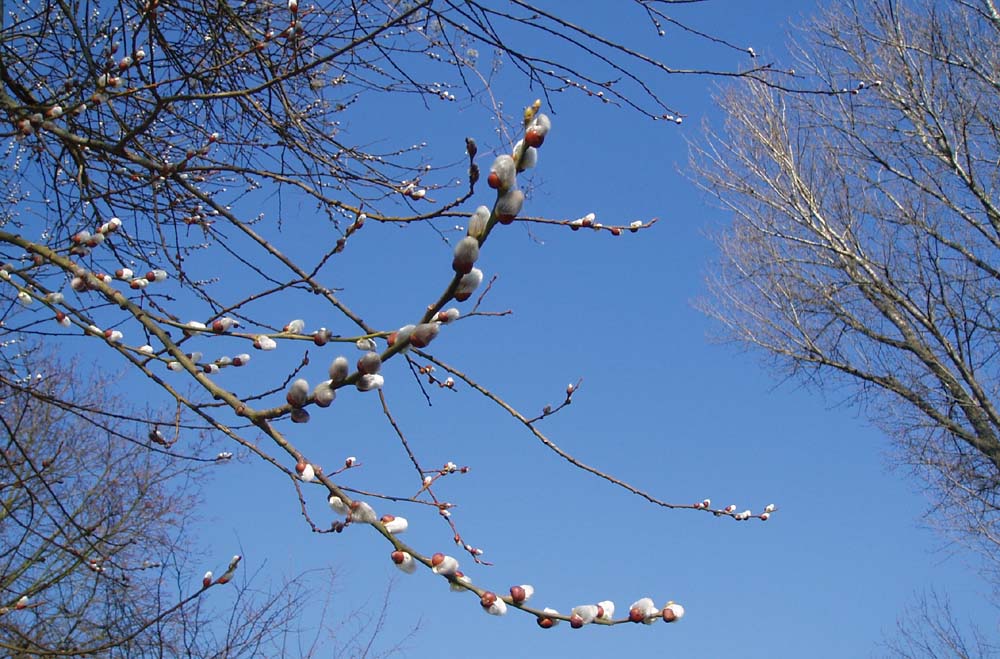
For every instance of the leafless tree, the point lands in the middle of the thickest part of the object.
(147, 134)
(930, 629)
(864, 249)
(94, 526)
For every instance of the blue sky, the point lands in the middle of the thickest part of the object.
(662, 407)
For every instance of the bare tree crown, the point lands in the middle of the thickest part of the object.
(865, 243)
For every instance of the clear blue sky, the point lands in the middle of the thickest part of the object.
(661, 406)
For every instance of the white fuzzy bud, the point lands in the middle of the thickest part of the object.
(509, 205)
(468, 284)
(642, 610)
(497, 608)
(362, 513)
(478, 222)
(339, 370)
(444, 565)
(423, 334)
(530, 158)
(403, 336)
(295, 327)
(539, 128)
(404, 561)
(369, 363)
(466, 255)
(338, 506)
(587, 613)
(370, 382)
(672, 612)
(502, 173)
(224, 324)
(298, 393)
(324, 394)
(395, 524)
(264, 343)
(526, 157)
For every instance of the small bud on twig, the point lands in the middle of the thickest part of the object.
(468, 284)
(298, 393)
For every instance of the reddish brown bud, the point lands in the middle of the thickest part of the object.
(321, 336)
(488, 599)
(517, 594)
(575, 621)
(545, 623)
(398, 557)
(636, 614)
(534, 137)
(437, 559)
